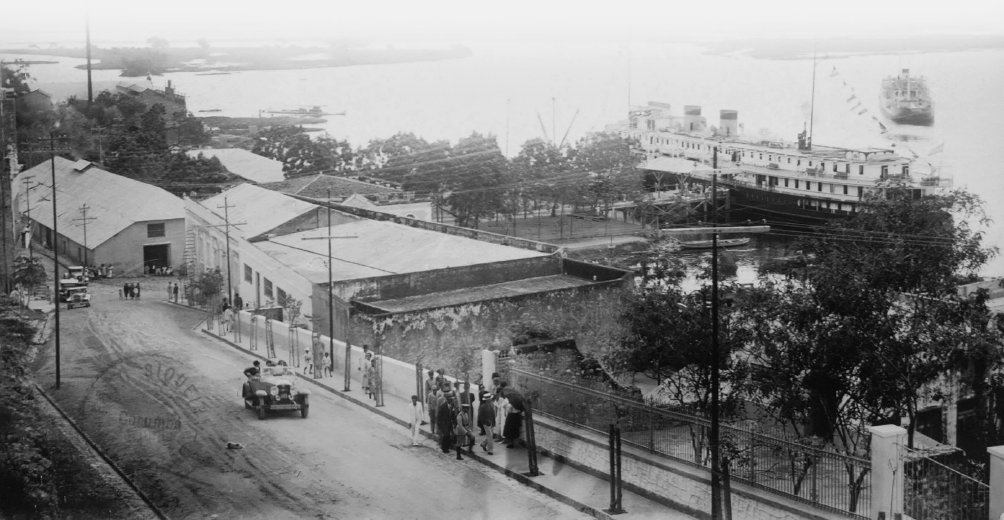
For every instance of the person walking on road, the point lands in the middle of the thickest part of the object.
(308, 362)
(486, 420)
(416, 412)
(175, 292)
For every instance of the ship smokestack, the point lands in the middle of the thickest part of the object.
(692, 118)
(729, 122)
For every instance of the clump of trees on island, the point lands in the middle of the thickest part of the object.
(120, 133)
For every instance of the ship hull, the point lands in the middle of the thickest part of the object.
(907, 116)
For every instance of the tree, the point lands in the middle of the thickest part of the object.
(476, 177)
(157, 43)
(300, 154)
(610, 163)
(28, 273)
(866, 331)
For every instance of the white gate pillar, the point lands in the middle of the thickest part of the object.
(887, 446)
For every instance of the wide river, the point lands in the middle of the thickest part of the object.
(519, 91)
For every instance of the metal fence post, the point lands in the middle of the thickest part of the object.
(651, 428)
(378, 392)
(348, 367)
(616, 489)
(531, 442)
(269, 340)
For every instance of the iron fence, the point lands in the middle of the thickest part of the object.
(934, 490)
(816, 475)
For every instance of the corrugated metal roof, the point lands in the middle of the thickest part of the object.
(243, 163)
(317, 186)
(115, 202)
(260, 209)
(382, 248)
(480, 293)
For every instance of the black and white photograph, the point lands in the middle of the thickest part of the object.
(446, 259)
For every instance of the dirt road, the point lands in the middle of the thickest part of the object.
(162, 400)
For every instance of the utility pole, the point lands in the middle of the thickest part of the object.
(226, 218)
(52, 151)
(8, 155)
(27, 205)
(716, 483)
(331, 298)
(84, 218)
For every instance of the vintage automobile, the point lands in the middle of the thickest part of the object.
(77, 297)
(273, 389)
(68, 286)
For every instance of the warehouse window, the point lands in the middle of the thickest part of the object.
(268, 288)
(280, 296)
(155, 230)
(247, 273)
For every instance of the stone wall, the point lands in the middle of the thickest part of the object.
(440, 337)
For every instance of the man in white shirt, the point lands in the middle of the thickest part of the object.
(416, 412)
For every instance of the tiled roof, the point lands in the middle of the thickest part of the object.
(317, 186)
(115, 202)
(243, 163)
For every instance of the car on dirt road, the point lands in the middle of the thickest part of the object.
(274, 389)
(77, 297)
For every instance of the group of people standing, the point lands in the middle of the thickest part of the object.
(130, 291)
(451, 414)
(308, 364)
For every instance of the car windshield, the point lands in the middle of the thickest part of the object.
(275, 371)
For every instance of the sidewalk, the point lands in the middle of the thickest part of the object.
(585, 492)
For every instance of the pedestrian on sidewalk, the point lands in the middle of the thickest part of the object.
(465, 437)
(416, 412)
(446, 422)
(308, 362)
(326, 368)
(514, 420)
(126, 290)
(238, 302)
(430, 386)
(486, 420)
(431, 402)
(368, 375)
(136, 290)
(501, 411)
(175, 292)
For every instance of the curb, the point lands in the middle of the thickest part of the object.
(518, 477)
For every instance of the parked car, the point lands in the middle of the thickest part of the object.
(273, 389)
(77, 297)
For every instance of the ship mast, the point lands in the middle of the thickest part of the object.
(812, 102)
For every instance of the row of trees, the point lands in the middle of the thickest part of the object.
(472, 179)
(862, 331)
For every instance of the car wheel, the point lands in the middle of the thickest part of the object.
(261, 409)
(303, 412)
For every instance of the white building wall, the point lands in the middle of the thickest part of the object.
(212, 254)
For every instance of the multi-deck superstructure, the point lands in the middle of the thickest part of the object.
(782, 179)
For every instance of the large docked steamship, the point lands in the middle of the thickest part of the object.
(779, 181)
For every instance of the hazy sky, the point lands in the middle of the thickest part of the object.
(460, 20)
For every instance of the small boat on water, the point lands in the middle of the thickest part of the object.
(707, 244)
(312, 111)
(906, 100)
(211, 110)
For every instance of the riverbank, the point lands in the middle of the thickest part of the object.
(141, 61)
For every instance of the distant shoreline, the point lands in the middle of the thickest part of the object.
(141, 61)
(844, 47)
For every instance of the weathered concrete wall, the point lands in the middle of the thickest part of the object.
(663, 479)
(586, 314)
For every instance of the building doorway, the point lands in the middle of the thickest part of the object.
(156, 256)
